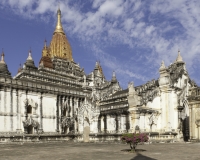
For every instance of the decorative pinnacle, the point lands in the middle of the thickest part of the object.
(114, 77)
(179, 58)
(162, 65)
(59, 24)
(2, 56)
(96, 64)
(29, 55)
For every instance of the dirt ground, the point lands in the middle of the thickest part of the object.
(98, 151)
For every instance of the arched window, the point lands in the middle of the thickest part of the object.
(64, 112)
(29, 110)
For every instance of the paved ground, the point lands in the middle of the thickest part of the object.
(98, 151)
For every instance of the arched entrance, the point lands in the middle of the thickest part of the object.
(185, 128)
(30, 129)
(185, 122)
(29, 109)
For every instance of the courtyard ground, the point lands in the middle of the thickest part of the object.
(98, 151)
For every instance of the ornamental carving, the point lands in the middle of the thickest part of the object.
(67, 121)
(153, 119)
(32, 122)
(30, 102)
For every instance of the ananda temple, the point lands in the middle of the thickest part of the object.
(57, 100)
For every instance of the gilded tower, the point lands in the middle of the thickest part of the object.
(59, 45)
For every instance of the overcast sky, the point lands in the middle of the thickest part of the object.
(130, 37)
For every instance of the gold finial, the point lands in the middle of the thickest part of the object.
(59, 24)
(45, 51)
(45, 43)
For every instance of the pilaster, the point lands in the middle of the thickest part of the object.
(71, 106)
(18, 112)
(57, 113)
(41, 113)
(11, 109)
(5, 108)
(105, 123)
(190, 119)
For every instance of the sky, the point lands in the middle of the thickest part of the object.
(130, 37)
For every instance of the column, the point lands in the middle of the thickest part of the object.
(144, 122)
(122, 123)
(57, 114)
(190, 118)
(61, 106)
(99, 124)
(81, 101)
(67, 106)
(5, 108)
(117, 123)
(11, 109)
(105, 123)
(127, 122)
(75, 114)
(41, 114)
(71, 106)
(18, 111)
(61, 101)
(0, 101)
(194, 130)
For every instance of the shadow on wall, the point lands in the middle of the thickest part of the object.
(142, 157)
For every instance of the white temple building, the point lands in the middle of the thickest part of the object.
(57, 99)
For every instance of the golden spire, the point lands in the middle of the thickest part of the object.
(45, 49)
(59, 46)
(59, 28)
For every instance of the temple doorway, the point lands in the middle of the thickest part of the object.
(29, 110)
(185, 128)
(30, 129)
(65, 130)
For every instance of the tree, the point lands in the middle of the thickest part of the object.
(134, 138)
